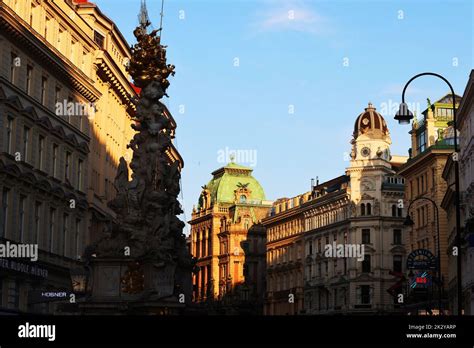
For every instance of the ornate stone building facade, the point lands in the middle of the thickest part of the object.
(358, 208)
(431, 139)
(285, 256)
(66, 105)
(465, 124)
(224, 224)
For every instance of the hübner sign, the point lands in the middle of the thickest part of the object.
(23, 268)
(421, 259)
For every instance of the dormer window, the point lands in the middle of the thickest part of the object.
(243, 198)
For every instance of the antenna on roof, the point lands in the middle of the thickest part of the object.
(161, 17)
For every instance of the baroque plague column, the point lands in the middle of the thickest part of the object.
(141, 264)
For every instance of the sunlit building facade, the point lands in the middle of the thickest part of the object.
(432, 145)
(285, 256)
(362, 207)
(465, 124)
(226, 237)
(66, 106)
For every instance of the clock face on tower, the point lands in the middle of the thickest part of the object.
(365, 152)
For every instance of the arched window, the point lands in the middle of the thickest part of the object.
(394, 210)
(369, 209)
(399, 212)
(362, 209)
(243, 198)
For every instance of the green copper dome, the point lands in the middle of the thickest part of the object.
(230, 178)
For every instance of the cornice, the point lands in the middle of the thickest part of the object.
(14, 26)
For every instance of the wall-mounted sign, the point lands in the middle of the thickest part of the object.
(421, 280)
(42, 296)
(421, 259)
(23, 267)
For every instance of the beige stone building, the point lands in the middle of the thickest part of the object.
(285, 256)
(431, 140)
(66, 106)
(230, 205)
(465, 125)
(360, 208)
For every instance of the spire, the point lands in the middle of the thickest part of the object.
(143, 16)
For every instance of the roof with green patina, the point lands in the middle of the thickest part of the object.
(226, 180)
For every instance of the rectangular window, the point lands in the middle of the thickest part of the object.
(79, 174)
(32, 13)
(366, 236)
(65, 234)
(40, 151)
(84, 60)
(44, 90)
(9, 137)
(29, 76)
(397, 237)
(99, 39)
(14, 64)
(67, 166)
(364, 293)
(60, 37)
(37, 233)
(5, 197)
(52, 228)
(397, 263)
(421, 142)
(366, 266)
(73, 51)
(77, 238)
(21, 218)
(55, 160)
(57, 97)
(26, 139)
(46, 26)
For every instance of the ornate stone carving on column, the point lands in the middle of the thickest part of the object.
(147, 206)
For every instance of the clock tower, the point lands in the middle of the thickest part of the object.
(370, 160)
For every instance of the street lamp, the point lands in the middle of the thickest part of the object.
(404, 116)
(79, 279)
(409, 222)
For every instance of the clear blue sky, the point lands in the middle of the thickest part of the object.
(291, 54)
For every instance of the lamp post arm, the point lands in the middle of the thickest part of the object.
(457, 188)
(419, 199)
(452, 93)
